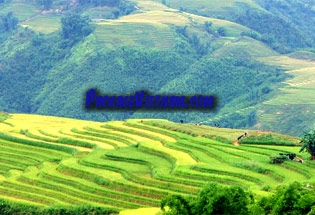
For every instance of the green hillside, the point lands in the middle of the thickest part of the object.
(120, 165)
(255, 56)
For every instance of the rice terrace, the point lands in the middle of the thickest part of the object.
(132, 164)
(247, 156)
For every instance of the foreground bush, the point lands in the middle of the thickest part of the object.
(293, 199)
(213, 199)
(10, 208)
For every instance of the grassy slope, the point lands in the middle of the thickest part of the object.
(301, 86)
(214, 6)
(146, 28)
(296, 97)
(298, 90)
(21, 9)
(145, 161)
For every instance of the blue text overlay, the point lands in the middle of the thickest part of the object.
(142, 100)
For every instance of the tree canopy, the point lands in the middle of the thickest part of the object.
(213, 199)
(75, 27)
(292, 199)
(8, 22)
(308, 141)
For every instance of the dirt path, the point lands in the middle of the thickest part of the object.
(236, 143)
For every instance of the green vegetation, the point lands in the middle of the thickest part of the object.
(75, 27)
(39, 24)
(50, 164)
(269, 21)
(35, 143)
(8, 207)
(269, 139)
(4, 116)
(308, 142)
(8, 23)
(21, 9)
(254, 56)
(215, 199)
(56, 50)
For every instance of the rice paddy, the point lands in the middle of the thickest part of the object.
(130, 165)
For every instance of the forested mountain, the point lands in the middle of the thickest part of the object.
(255, 56)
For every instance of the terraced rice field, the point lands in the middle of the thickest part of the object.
(215, 5)
(130, 164)
(248, 46)
(296, 94)
(145, 28)
(152, 22)
(133, 33)
(300, 86)
(39, 23)
(22, 10)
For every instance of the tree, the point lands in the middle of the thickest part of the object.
(308, 141)
(126, 7)
(265, 90)
(221, 31)
(251, 118)
(217, 199)
(8, 22)
(290, 199)
(195, 40)
(182, 30)
(74, 27)
(208, 26)
(177, 205)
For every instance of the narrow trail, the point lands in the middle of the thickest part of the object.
(236, 143)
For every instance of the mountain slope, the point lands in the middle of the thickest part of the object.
(163, 47)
